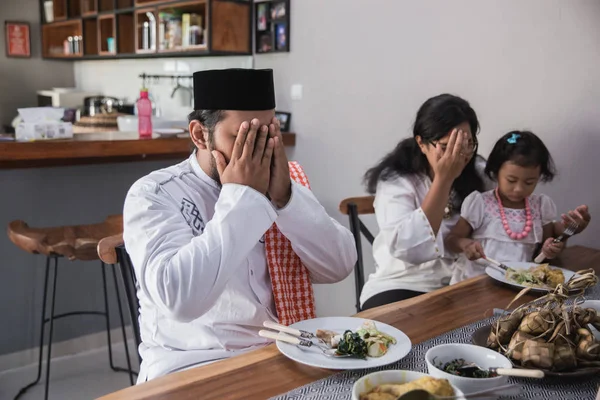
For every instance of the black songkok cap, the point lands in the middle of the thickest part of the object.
(234, 89)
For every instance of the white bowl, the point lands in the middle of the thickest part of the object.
(370, 381)
(481, 356)
(129, 123)
(595, 304)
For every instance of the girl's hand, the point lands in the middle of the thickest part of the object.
(474, 251)
(580, 215)
(552, 250)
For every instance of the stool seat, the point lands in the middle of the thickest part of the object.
(76, 242)
(107, 248)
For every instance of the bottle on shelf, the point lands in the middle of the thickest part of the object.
(144, 113)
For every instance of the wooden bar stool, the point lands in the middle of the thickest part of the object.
(74, 243)
(111, 250)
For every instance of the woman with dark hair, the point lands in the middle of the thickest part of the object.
(419, 188)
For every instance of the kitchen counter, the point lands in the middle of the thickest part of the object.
(98, 148)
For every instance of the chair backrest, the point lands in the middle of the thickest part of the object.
(353, 207)
(112, 251)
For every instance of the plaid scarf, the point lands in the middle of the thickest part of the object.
(292, 289)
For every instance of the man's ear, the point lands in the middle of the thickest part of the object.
(199, 135)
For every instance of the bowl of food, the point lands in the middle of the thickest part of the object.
(448, 361)
(391, 384)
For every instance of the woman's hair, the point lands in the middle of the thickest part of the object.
(523, 148)
(435, 119)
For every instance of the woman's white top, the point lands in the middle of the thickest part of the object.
(408, 255)
(482, 212)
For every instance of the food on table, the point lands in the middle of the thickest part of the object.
(540, 276)
(437, 387)
(550, 334)
(453, 368)
(365, 341)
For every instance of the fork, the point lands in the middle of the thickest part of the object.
(282, 337)
(567, 233)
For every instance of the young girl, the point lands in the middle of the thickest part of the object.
(509, 222)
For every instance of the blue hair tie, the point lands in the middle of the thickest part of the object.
(513, 138)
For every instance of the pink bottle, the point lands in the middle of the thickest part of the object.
(144, 108)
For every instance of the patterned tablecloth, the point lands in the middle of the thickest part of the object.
(339, 386)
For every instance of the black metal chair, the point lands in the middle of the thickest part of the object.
(111, 250)
(74, 243)
(353, 207)
(131, 286)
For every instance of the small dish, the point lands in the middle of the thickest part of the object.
(169, 132)
(370, 381)
(481, 356)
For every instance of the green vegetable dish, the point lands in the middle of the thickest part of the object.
(365, 342)
(454, 368)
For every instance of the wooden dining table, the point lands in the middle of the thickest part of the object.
(264, 373)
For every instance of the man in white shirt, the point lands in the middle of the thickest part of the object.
(195, 231)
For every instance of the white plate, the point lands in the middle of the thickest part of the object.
(314, 357)
(499, 274)
(169, 132)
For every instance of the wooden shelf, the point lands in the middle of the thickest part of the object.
(54, 36)
(97, 149)
(90, 37)
(125, 33)
(107, 31)
(216, 28)
(89, 7)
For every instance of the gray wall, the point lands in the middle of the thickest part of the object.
(54, 197)
(20, 79)
(366, 66)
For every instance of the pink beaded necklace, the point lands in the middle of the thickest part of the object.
(528, 222)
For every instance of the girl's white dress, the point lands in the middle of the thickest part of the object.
(481, 211)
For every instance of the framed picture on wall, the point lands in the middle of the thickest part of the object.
(284, 119)
(18, 39)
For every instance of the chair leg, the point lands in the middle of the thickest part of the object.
(123, 325)
(49, 355)
(107, 312)
(42, 325)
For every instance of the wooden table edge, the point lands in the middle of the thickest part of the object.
(170, 383)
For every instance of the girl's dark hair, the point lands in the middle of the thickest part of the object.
(523, 148)
(435, 119)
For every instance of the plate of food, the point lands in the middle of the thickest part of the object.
(547, 334)
(538, 277)
(355, 343)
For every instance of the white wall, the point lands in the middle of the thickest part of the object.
(366, 66)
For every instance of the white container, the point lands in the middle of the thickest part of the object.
(49, 11)
(42, 123)
(481, 356)
(368, 382)
(129, 123)
(30, 131)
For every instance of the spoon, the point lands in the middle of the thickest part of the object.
(468, 369)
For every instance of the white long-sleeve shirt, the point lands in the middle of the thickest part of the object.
(408, 255)
(199, 257)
